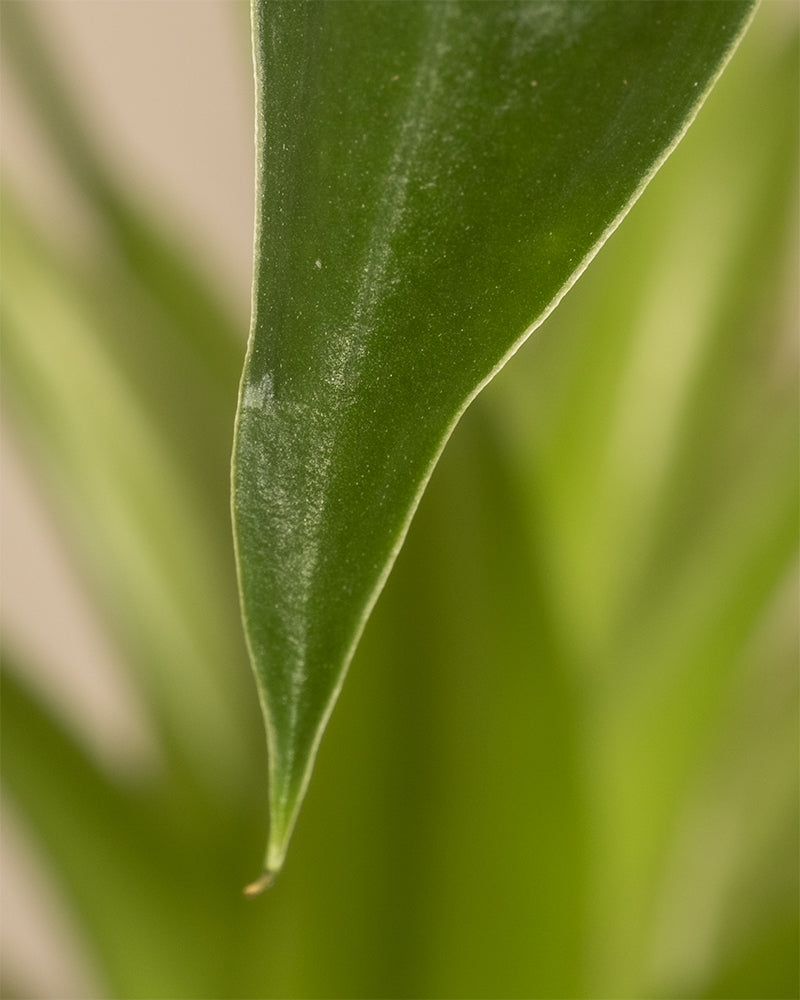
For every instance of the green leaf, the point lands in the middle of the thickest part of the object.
(198, 328)
(100, 838)
(127, 853)
(123, 502)
(155, 307)
(432, 178)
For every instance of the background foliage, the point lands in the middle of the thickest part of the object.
(565, 760)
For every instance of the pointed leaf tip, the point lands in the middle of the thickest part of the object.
(261, 884)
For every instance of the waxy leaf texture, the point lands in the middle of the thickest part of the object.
(432, 177)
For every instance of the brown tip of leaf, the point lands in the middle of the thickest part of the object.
(264, 881)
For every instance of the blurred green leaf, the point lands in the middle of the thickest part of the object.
(124, 501)
(432, 177)
(658, 591)
(133, 855)
(198, 326)
(163, 321)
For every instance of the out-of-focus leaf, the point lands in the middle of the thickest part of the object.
(198, 326)
(124, 502)
(99, 838)
(432, 177)
(667, 493)
(162, 320)
(134, 878)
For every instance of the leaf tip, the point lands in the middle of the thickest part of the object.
(263, 882)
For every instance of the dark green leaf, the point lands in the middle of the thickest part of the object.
(432, 178)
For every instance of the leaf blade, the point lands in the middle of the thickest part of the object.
(426, 197)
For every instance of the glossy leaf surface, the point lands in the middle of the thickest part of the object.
(432, 178)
